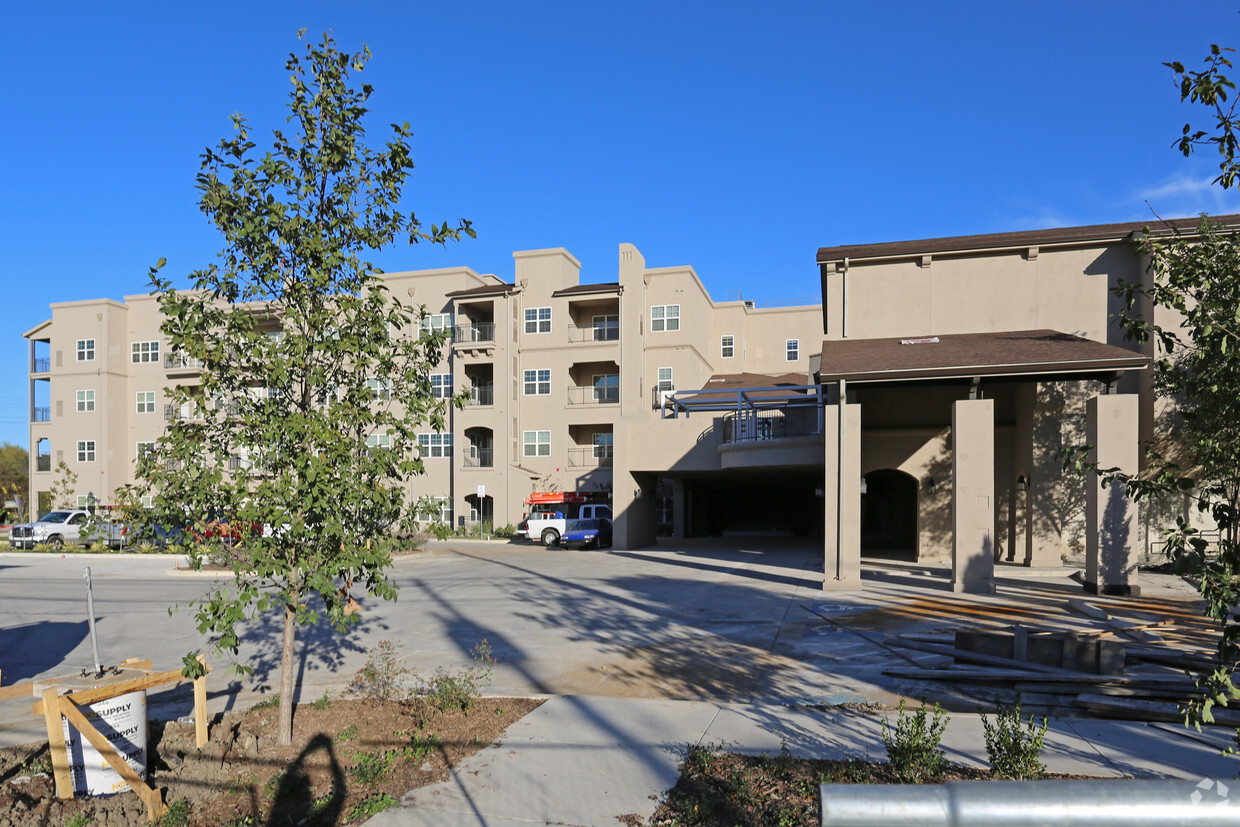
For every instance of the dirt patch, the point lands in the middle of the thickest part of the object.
(349, 759)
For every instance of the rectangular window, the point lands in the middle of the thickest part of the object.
(536, 443)
(144, 352)
(379, 441)
(86, 350)
(435, 509)
(602, 446)
(727, 347)
(381, 388)
(441, 385)
(606, 328)
(794, 348)
(85, 401)
(436, 323)
(538, 320)
(146, 401)
(665, 380)
(607, 388)
(435, 445)
(143, 449)
(86, 450)
(664, 317)
(537, 382)
(81, 502)
(147, 500)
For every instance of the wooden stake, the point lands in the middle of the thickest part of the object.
(150, 797)
(56, 744)
(200, 707)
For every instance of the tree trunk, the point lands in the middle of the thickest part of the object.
(287, 677)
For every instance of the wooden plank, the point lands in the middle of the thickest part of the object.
(102, 693)
(17, 690)
(1020, 644)
(136, 663)
(1132, 708)
(56, 744)
(1087, 609)
(995, 675)
(977, 657)
(200, 710)
(150, 797)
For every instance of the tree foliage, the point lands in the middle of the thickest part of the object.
(14, 476)
(1210, 87)
(297, 447)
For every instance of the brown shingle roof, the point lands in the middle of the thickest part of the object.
(607, 287)
(484, 290)
(1027, 238)
(1012, 353)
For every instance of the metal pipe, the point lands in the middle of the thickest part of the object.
(844, 300)
(1096, 803)
(839, 482)
(90, 609)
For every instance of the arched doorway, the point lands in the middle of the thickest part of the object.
(889, 515)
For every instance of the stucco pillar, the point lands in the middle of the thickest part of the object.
(841, 498)
(973, 496)
(1112, 425)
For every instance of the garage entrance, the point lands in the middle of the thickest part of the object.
(889, 515)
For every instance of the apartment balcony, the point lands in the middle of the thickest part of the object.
(40, 414)
(479, 332)
(608, 331)
(592, 457)
(41, 364)
(480, 458)
(591, 395)
(178, 364)
(764, 425)
(43, 462)
(481, 395)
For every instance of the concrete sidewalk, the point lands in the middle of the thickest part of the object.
(584, 761)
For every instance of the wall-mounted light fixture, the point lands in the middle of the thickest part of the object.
(1022, 484)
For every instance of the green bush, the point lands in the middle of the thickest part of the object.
(382, 676)
(913, 746)
(459, 689)
(1014, 748)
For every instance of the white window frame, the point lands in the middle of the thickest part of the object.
(374, 441)
(85, 401)
(441, 385)
(380, 387)
(537, 320)
(727, 346)
(663, 319)
(143, 352)
(435, 446)
(792, 349)
(537, 382)
(144, 401)
(436, 323)
(444, 507)
(536, 443)
(143, 448)
(667, 384)
(85, 450)
(86, 350)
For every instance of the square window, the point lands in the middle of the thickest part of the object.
(380, 388)
(85, 350)
(727, 347)
(536, 443)
(537, 382)
(441, 385)
(606, 328)
(86, 450)
(146, 401)
(794, 347)
(140, 352)
(435, 445)
(538, 320)
(664, 318)
(607, 388)
(144, 448)
(85, 401)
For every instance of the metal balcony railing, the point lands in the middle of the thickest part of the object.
(41, 364)
(480, 458)
(180, 361)
(43, 462)
(40, 414)
(477, 332)
(590, 395)
(599, 332)
(755, 426)
(482, 395)
(595, 457)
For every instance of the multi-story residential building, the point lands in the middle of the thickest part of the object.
(552, 367)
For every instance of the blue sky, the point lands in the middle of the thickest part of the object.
(734, 137)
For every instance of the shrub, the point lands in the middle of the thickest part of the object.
(370, 767)
(1013, 748)
(459, 689)
(382, 675)
(913, 747)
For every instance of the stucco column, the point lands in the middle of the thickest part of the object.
(973, 496)
(841, 498)
(1112, 425)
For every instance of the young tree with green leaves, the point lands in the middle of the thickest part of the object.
(300, 440)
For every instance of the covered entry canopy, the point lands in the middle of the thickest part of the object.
(1043, 354)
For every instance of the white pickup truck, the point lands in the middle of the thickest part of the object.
(54, 528)
(548, 523)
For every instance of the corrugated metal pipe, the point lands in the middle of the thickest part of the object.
(1096, 803)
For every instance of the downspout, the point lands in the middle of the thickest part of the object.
(844, 300)
(839, 483)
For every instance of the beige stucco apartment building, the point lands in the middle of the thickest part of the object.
(918, 413)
